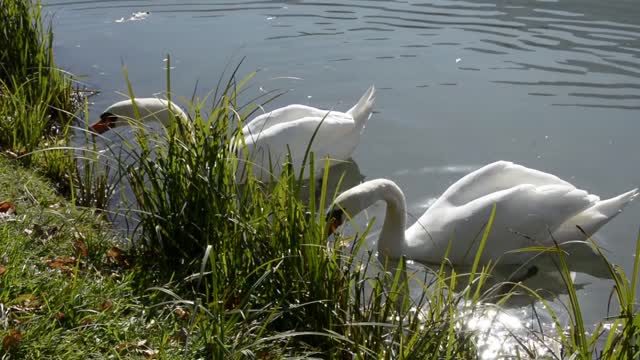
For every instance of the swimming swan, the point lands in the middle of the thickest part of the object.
(270, 136)
(119, 114)
(532, 209)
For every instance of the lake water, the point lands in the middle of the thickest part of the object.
(553, 85)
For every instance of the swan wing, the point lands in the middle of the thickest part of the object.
(285, 115)
(271, 146)
(497, 176)
(525, 216)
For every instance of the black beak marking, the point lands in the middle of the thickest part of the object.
(335, 215)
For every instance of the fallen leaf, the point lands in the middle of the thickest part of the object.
(118, 256)
(81, 248)
(115, 254)
(2, 270)
(106, 305)
(182, 313)
(11, 340)
(87, 321)
(59, 316)
(7, 207)
(63, 263)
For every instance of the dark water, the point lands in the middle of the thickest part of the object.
(554, 85)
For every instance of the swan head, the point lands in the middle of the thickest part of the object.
(335, 218)
(360, 197)
(122, 112)
(349, 202)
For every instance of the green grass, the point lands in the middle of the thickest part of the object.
(63, 289)
(35, 96)
(37, 108)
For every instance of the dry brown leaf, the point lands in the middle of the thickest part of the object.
(59, 316)
(87, 321)
(106, 305)
(11, 340)
(2, 270)
(63, 263)
(81, 248)
(115, 254)
(118, 256)
(182, 313)
(7, 207)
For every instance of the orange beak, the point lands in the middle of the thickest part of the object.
(101, 126)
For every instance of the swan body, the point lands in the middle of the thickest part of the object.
(270, 136)
(533, 208)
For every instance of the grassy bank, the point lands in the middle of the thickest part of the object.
(224, 270)
(65, 292)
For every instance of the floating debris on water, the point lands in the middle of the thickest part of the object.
(136, 16)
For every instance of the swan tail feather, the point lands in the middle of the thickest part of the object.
(361, 111)
(594, 217)
(612, 207)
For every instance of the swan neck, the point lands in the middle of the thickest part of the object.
(392, 238)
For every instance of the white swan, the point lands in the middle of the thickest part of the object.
(532, 209)
(270, 136)
(120, 113)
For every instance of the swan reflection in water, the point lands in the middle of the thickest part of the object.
(342, 175)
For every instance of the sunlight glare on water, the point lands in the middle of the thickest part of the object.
(496, 332)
